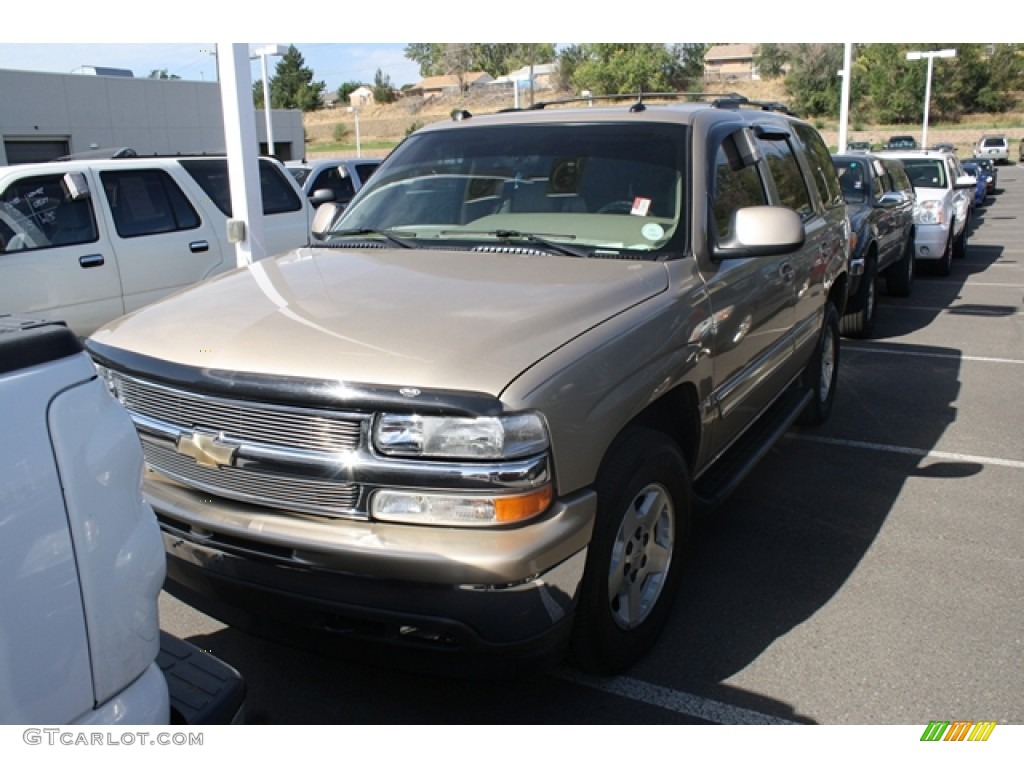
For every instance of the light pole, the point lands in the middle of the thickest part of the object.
(355, 115)
(945, 53)
(262, 54)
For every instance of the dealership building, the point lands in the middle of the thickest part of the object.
(49, 115)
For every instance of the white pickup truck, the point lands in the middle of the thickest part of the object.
(81, 557)
(86, 241)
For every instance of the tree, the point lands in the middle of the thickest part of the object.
(292, 85)
(161, 74)
(611, 68)
(458, 59)
(771, 59)
(383, 90)
(814, 81)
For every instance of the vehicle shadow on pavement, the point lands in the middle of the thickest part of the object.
(800, 525)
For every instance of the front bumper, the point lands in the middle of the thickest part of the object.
(494, 591)
(930, 241)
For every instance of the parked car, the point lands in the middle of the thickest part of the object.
(483, 416)
(858, 146)
(995, 148)
(981, 190)
(81, 558)
(942, 211)
(332, 180)
(880, 201)
(991, 172)
(1020, 156)
(901, 143)
(88, 240)
(943, 146)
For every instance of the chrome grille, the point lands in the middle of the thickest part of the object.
(324, 497)
(255, 424)
(239, 420)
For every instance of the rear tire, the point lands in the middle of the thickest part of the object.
(822, 372)
(859, 323)
(635, 559)
(900, 276)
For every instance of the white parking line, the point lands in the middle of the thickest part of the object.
(671, 699)
(847, 345)
(961, 457)
(960, 310)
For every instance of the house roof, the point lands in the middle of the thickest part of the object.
(732, 51)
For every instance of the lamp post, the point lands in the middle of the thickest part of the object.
(945, 53)
(355, 115)
(263, 54)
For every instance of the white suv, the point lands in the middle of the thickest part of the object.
(995, 148)
(943, 208)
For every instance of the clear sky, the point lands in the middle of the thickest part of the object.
(333, 63)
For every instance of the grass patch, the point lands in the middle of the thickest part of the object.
(349, 146)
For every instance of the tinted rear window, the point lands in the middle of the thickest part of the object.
(212, 176)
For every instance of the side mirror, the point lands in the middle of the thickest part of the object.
(965, 182)
(323, 219)
(321, 196)
(762, 230)
(891, 200)
(76, 185)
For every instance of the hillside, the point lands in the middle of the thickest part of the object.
(390, 123)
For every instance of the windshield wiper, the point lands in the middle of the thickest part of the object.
(530, 237)
(385, 233)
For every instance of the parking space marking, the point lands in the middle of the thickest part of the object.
(942, 355)
(671, 699)
(944, 455)
(959, 310)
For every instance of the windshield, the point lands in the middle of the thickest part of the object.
(606, 187)
(926, 173)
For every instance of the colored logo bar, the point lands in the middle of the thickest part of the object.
(958, 730)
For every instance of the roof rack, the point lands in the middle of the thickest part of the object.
(639, 96)
(103, 153)
(730, 100)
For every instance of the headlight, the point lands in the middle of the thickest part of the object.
(456, 437)
(929, 212)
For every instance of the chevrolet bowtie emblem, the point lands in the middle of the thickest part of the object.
(204, 448)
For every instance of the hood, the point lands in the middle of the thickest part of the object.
(400, 317)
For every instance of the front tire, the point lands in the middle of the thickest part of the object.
(822, 372)
(960, 245)
(945, 264)
(635, 559)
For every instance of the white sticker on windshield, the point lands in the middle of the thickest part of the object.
(641, 205)
(652, 231)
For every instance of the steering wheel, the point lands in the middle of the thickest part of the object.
(618, 206)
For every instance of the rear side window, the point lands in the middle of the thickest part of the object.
(341, 186)
(212, 175)
(147, 202)
(789, 181)
(36, 213)
(822, 169)
(365, 170)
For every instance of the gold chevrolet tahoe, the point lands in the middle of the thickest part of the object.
(481, 413)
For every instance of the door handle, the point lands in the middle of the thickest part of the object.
(786, 272)
(199, 246)
(92, 260)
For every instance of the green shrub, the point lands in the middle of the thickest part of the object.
(340, 132)
(413, 127)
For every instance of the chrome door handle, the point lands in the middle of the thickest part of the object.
(92, 260)
(199, 246)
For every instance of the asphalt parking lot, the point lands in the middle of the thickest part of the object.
(868, 572)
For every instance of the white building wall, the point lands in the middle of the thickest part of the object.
(148, 115)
